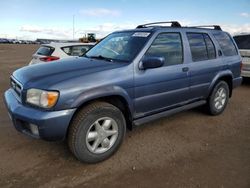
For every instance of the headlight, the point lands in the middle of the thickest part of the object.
(41, 98)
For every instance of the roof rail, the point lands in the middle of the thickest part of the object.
(215, 27)
(173, 24)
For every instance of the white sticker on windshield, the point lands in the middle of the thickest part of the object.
(141, 34)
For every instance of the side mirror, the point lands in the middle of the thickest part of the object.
(151, 62)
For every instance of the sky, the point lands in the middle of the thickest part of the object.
(53, 19)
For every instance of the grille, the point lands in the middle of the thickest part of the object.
(16, 86)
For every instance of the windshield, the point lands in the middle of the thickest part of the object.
(243, 41)
(122, 46)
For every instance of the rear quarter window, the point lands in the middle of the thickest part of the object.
(226, 43)
(45, 50)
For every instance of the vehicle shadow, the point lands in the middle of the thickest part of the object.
(246, 82)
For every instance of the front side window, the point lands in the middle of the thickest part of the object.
(227, 46)
(169, 46)
(122, 46)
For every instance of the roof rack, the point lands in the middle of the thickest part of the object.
(177, 24)
(173, 24)
(215, 27)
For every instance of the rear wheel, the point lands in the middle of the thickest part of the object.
(96, 132)
(218, 99)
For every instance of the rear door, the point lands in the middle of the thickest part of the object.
(203, 65)
(165, 87)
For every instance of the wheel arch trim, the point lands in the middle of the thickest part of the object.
(220, 75)
(102, 92)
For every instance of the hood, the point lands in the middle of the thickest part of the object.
(50, 73)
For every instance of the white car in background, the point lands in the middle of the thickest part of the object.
(243, 43)
(55, 51)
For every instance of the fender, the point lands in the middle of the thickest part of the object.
(217, 77)
(105, 91)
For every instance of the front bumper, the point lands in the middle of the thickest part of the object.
(51, 125)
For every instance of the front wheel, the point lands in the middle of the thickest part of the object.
(96, 132)
(218, 99)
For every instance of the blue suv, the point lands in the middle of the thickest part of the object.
(131, 77)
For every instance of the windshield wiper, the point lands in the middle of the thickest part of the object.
(101, 57)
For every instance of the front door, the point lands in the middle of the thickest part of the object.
(159, 89)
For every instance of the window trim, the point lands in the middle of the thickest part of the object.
(182, 47)
(202, 33)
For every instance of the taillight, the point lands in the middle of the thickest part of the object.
(49, 58)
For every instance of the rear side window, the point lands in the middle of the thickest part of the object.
(76, 50)
(169, 46)
(45, 50)
(243, 41)
(202, 47)
(227, 46)
(210, 47)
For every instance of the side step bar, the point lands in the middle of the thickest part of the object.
(168, 113)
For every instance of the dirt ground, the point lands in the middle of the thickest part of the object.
(190, 149)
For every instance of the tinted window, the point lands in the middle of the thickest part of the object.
(45, 50)
(243, 41)
(202, 47)
(76, 50)
(210, 47)
(197, 46)
(226, 44)
(169, 46)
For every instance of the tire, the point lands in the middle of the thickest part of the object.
(89, 136)
(218, 99)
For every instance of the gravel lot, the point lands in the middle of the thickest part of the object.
(190, 149)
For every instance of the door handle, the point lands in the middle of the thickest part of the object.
(185, 69)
